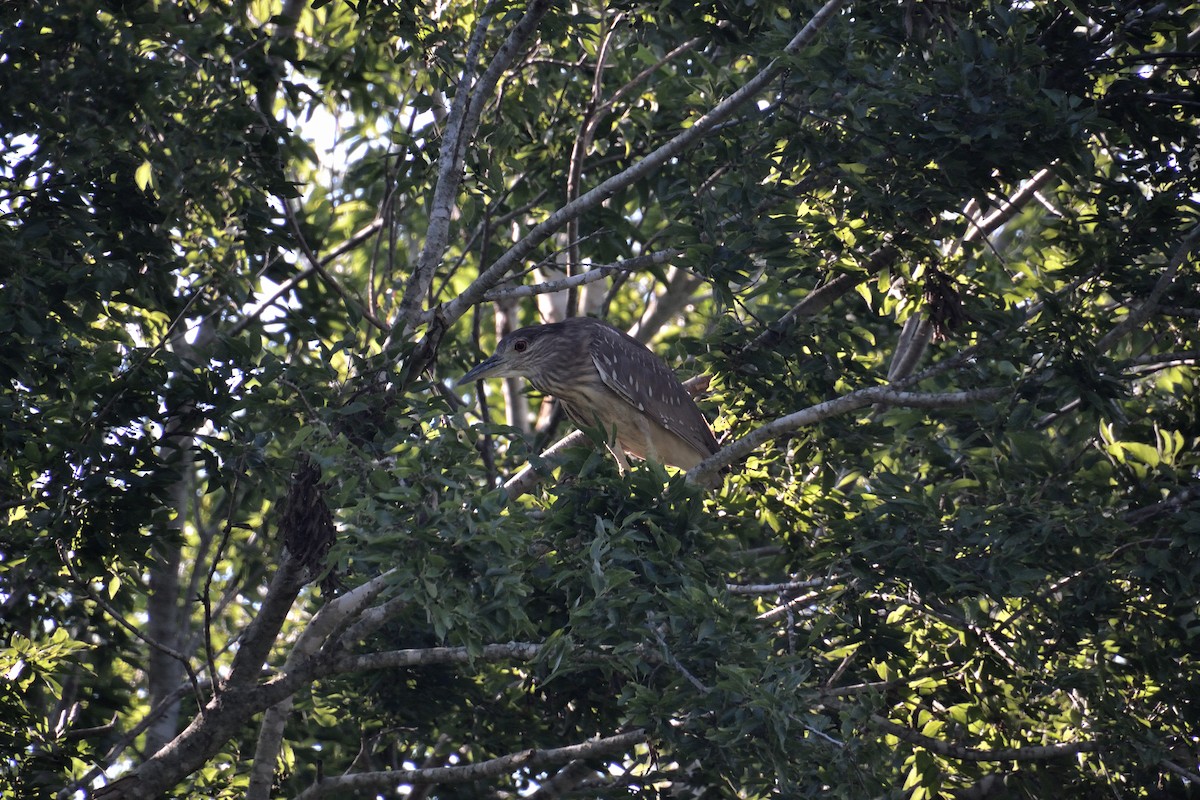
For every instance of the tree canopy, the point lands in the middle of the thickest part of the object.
(933, 262)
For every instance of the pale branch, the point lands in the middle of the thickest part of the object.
(680, 289)
(487, 223)
(636, 80)
(825, 737)
(529, 475)
(914, 338)
(564, 782)
(579, 148)
(785, 586)
(1010, 207)
(1190, 775)
(823, 296)
(669, 658)
(488, 278)
(503, 766)
(331, 618)
(594, 274)
(1170, 505)
(879, 687)
(460, 130)
(1138, 316)
(788, 606)
(918, 331)
(1135, 319)
(395, 659)
(883, 395)
(451, 156)
(1153, 362)
(371, 620)
(551, 286)
(267, 749)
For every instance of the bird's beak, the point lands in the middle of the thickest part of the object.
(484, 369)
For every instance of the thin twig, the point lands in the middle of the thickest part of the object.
(1135, 318)
(206, 602)
(119, 618)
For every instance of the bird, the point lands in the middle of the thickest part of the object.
(606, 379)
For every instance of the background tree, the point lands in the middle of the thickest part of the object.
(936, 260)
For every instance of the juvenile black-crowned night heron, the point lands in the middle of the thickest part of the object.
(606, 379)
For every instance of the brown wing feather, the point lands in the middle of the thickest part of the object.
(644, 381)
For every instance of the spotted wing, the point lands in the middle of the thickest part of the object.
(641, 379)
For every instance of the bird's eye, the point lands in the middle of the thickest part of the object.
(520, 345)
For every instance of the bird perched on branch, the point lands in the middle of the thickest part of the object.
(606, 379)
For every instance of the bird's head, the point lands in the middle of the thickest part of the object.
(525, 353)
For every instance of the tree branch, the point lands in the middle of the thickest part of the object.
(594, 274)
(372, 782)
(357, 238)
(964, 753)
(488, 278)
(823, 296)
(1135, 318)
(119, 618)
(395, 659)
(460, 130)
(529, 475)
(331, 618)
(777, 588)
(884, 395)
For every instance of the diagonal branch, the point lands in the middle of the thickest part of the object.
(961, 752)
(329, 620)
(460, 130)
(823, 296)
(885, 395)
(1139, 315)
(451, 311)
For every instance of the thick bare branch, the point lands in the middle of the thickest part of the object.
(785, 586)
(528, 477)
(330, 619)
